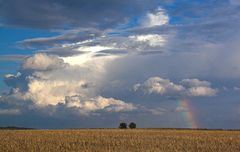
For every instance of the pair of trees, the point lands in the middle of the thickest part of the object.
(123, 125)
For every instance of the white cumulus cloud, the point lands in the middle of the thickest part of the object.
(98, 103)
(51, 92)
(43, 61)
(201, 91)
(159, 86)
(187, 87)
(54, 83)
(157, 18)
(198, 88)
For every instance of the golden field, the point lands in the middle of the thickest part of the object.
(104, 140)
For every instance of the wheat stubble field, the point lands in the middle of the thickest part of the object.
(104, 140)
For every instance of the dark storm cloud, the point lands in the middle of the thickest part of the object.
(64, 14)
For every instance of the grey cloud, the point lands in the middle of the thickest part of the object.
(236, 88)
(195, 11)
(116, 46)
(235, 2)
(42, 81)
(63, 37)
(61, 13)
(45, 88)
(195, 83)
(62, 52)
(207, 49)
(18, 81)
(10, 112)
(14, 57)
(150, 52)
(114, 52)
(192, 37)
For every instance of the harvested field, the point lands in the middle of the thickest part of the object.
(87, 140)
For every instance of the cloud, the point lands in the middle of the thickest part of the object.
(47, 85)
(235, 2)
(98, 103)
(47, 82)
(70, 42)
(43, 62)
(81, 43)
(110, 47)
(181, 109)
(153, 40)
(45, 92)
(75, 35)
(98, 64)
(15, 57)
(10, 112)
(159, 86)
(236, 88)
(16, 81)
(75, 13)
(75, 41)
(201, 91)
(155, 111)
(195, 83)
(157, 18)
(198, 88)
(187, 87)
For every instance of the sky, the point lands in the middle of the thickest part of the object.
(96, 63)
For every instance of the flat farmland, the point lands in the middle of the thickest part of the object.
(105, 140)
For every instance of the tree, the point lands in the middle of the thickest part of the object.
(132, 125)
(123, 125)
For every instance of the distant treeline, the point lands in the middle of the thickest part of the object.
(194, 129)
(24, 128)
(15, 128)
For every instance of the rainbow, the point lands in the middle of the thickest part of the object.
(188, 114)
